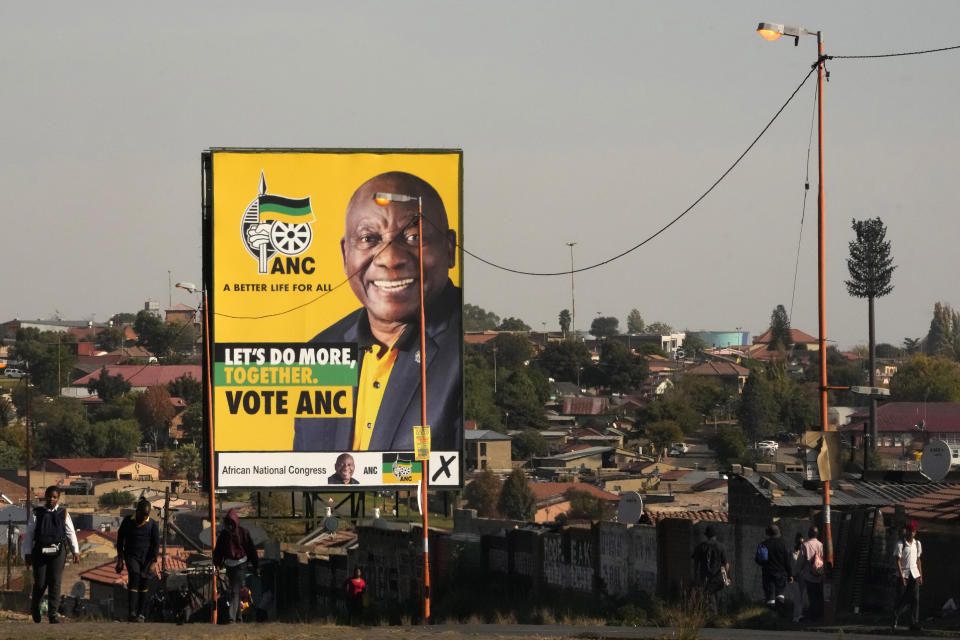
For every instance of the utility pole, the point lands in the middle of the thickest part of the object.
(573, 298)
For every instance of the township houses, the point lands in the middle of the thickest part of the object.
(102, 468)
(909, 425)
(141, 377)
(730, 376)
(486, 449)
(553, 498)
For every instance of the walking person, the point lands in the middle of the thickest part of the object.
(811, 572)
(49, 529)
(776, 565)
(711, 569)
(138, 543)
(797, 591)
(235, 550)
(354, 589)
(910, 574)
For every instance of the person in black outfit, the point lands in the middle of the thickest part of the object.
(710, 564)
(235, 550)
(138, 542)
(48, 530)
(778, 569)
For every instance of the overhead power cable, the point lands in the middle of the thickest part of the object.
(897, 55)
(803, 207)
(664, 227)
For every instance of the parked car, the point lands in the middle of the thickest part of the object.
(768, 444)
(680, 446)
(11, 372)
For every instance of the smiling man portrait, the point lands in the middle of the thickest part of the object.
(380, 249)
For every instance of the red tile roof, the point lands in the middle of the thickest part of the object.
(479, 338)
(796, 337)
(105, 573)
(583, 406)
(81, 466)
(653, 517)
(546, 490)
(723, 369)
(13, 490)
(674, 475)
(942, 506)
(938, 417)
(146, 376)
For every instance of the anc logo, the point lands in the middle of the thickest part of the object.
(273, 226)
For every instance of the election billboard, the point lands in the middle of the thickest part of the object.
(312, 272)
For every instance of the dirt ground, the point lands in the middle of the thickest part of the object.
(21, 627)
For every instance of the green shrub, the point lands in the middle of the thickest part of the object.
(117, 498)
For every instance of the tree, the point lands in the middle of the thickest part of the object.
(527, 444)
(887, 350)
(116, 438)
(663, 433)
(483, 493)
(694, 345)
(587, 507)
(659, 328)
(634, 322)
(154, 334)
(108, 387)
(912, 345)
(520, 399)
(758, 412)
(154, 412)
(166, 464)
(780, 338)
(110, 338)
(187, 461)
(116, 498)
(186, 387)
(513, 351)
(517, 500)
(478, 319)
(943, 339)
(624, 371)
(564, 320)
(926, 379)
(48, 357)
(562, 360)
(120, 319)
(604, 326)
(7, 412)
(192, 424)
(871, 269)
(513, 324)
(729, 443)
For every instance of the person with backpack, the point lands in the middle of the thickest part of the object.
(235, 550)
(49, 528)
(138, 543)
(711, 567)
(811, 572)
(776, 566)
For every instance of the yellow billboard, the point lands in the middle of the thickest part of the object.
(312, 270)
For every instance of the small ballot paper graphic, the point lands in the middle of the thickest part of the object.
(421, 442)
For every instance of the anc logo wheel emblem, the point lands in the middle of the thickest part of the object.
(275, 224)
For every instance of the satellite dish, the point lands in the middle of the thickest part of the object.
(331, 524)
(78, 590)
(935, 460)
(630, 508)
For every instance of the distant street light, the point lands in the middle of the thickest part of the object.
(573, 299)
(772, 31)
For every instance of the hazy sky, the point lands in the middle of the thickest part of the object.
(593, 122)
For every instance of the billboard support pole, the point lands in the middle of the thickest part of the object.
(424, 486)
(211, 468)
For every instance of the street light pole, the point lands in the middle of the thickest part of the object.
(573, 299)
(771, 32)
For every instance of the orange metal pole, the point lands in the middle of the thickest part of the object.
(211, 469)
(424, 486)
(829, 608)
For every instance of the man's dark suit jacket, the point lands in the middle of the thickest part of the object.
(400, 409)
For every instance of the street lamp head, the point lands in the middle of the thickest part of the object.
(772, 31)
(383, 199)
(187, 286)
